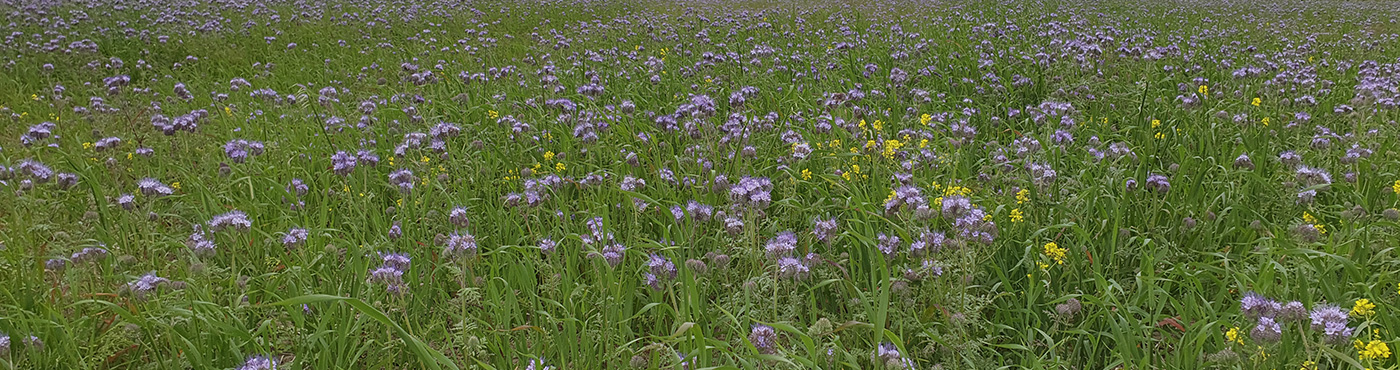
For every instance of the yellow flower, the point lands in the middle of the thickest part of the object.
(34, 97)
(806, 174)
(426, 159)
(559, 166)
(1023, 196)
(1265, 121)
(1372, 350)
(492, 114)
(925, 119)
(1234, 336)
(1156, 123)
(924, 144)
(175, 185)
(1017, 216)
(1321, 229)
(1202, 90)
(228, 111)
(891, 146)
(1254, 102)
(549, 156)
(1308, 218)
(1396, 188)
(1042, 265)
(1054, 251)
(855, 168)
(861, 124)
(878, 125)
(87, 145)
(1363, 307)
(1160, 136)
(1309, 365)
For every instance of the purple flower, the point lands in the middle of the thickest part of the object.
(613, 254)
(791, 267)
(259, 362)
(547, 245)
(1266, 331)
(458, 217)
(824, 230)
(342, 163)
(146, 284)
(152, 187)
(460, 245)
(235, 219)
(403, 178)
(661, 266)
(1254, 305)
(295, 237)
(887, 244)
(1158, 183)
(89, 254)
(782, 244)
(764, 338)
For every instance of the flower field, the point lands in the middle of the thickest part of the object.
(369, 184)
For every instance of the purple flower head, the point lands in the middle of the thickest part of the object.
(295, 237)
(782, 244)
(548, 245)
(661, 266)
(1292, 312)
(975, 227)
(397, 261)
(613, 254)
(1254, 305)
(764, 338)
(699, 212)
(146, 284)
(259, 362)
(235, 219)
(460, 245)
(297, 187)
(239, 150)
(152, 187)
(458, 217)
(1266, 331)
(955, 207)
(791, 267)
(887, 244)
(824, 230)
(403, 178)
(1158, 183)
(342, 163)
(89, 254)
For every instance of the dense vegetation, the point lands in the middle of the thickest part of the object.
(685, 185)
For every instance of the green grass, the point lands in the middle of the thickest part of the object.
(1155, 292)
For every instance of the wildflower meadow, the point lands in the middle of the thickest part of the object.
(698, 185)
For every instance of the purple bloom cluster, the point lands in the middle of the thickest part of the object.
(391, 272)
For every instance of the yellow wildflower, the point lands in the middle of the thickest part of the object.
(1373, 350)
(878, 125)
(559, 166)
(1023, 196)
(806, 174)
(1017, 216)
(175, 185)
(492, 114)
(1265, 121)
(925, 119)
(1254, 102)
(1234, 336)
(1156, 123)
(1054, 251)
(1308, 218)
(1396, 188)
(549, 156)
(1363, 307)
(1202, 90)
